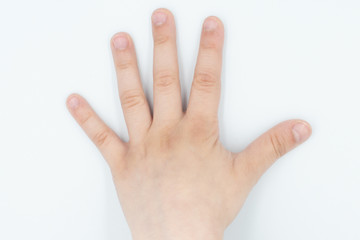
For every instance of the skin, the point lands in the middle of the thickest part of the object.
(174, 178)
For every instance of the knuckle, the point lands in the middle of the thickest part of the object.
(209, 45)
(131, 99)
(165, 79)
(202, 130)
(85, 118)
(124, 65)
(205, 81)
(160, 39)
(278, 144)
(101, 137)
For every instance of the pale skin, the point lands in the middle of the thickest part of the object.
(174, 178)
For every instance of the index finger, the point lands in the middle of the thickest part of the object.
(205, 90)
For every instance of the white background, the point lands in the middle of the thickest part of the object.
(282, 60)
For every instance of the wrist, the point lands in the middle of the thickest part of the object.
(189, 232)
(180, 236)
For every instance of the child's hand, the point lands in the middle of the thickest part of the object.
(174, 178)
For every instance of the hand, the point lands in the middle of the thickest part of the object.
(174, 178)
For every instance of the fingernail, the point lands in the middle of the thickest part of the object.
(159, 18)
(301, 132)
(73, 103)
(210, 25)
(121, 42)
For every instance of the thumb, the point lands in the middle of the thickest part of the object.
(266, 149)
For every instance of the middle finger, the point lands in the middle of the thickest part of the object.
(167, 90)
